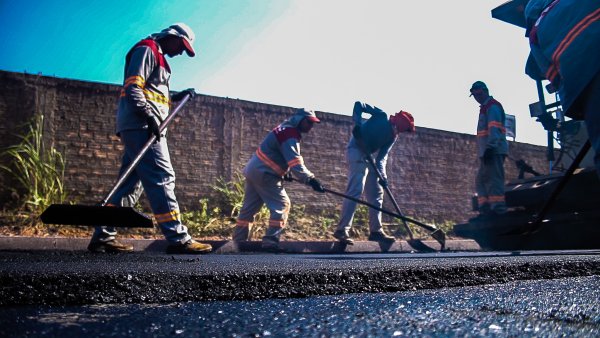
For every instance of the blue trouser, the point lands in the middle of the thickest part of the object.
(490, 184)
(157, 178)
(361, 177)
(591, 108)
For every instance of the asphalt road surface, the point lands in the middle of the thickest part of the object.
(548, 308)
(440, 294)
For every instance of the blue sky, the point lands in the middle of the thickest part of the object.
(415, 55)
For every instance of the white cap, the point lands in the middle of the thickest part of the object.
(185, 32)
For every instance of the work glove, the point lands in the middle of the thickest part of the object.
(288, 177)
(315, 184)
(153, 126)
(383, 182)
(179, 96)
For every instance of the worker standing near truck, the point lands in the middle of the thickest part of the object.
(492, 149)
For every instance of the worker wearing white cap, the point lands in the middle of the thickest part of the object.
(145, 102)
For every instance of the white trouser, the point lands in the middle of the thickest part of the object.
(361, 177)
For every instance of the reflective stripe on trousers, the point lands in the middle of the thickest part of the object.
(157, 178)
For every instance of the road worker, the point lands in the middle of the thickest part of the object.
(144, 103)
(564, 37)
(376, 135)
(277, 156)
(492, 149)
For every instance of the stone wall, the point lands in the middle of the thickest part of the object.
(431, 172)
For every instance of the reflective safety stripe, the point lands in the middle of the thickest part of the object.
(135, 79)
(167, 217)
(482, 200)
(295, 162)
(156, 97)
(482, 133)
(496, 199)
(566, 42)
(496, 124)
(269, 162)
(277, 223)
(242, 223)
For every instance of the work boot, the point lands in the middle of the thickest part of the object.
(271, 244)
(343, 237)
(240, 233)
(380, 236)
(111, 246)
(189, 247)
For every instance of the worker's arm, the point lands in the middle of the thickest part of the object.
(495, 126)
(140, 66)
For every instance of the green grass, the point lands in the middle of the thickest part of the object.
(38, 169)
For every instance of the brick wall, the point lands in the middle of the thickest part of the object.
(431, 172)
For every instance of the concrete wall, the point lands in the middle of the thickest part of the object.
(431, 172)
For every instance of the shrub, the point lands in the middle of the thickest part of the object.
(38, 170)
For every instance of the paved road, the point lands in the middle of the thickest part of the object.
(78, 277)
(547, 308)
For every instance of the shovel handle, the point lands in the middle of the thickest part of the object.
(144, 149)
(389, 193)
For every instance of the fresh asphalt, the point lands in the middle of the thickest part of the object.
(566, 307)
(74, 277)
(55, 288)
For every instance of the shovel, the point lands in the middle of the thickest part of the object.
(114, 216)
(536, 224)
(437, 234)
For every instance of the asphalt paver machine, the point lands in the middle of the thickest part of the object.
(559, 210)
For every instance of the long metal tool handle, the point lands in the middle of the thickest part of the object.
(145, 148)
(389, 193)
(561, 184)
(387, 212)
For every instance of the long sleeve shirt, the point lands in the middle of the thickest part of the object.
(491, 133)
(146, 86)
(376, 136)
(280, 152)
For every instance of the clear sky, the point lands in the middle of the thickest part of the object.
(415, 55)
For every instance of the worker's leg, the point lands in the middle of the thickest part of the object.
(481, 180)
(374, 195)
(158, 179)
(277, 201)
(251, 205)
(357, 172)
(126, 195)
(495, 167)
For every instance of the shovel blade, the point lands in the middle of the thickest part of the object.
(94, 215)
(439, 236)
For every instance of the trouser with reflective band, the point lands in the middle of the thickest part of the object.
(156, 175)
(263, 188)
(490, 184)
(361, 177)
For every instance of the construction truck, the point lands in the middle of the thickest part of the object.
(559, 210)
